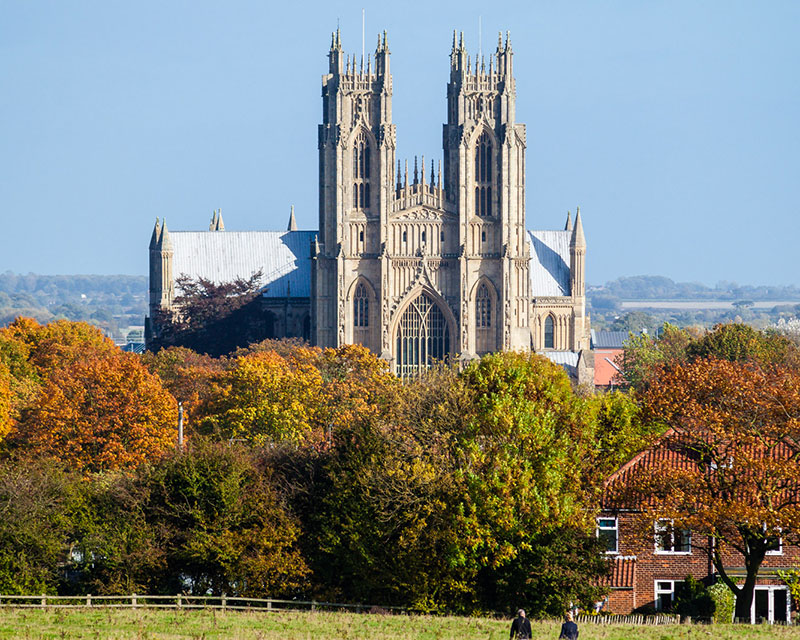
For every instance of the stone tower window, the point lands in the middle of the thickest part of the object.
(423, 337)
(483, 176)
(361, 307)
(549, 333)
(361, 173)
(483, 307)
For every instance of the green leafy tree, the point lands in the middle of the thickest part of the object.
(36, 503)
(115, 548)
(224, 527)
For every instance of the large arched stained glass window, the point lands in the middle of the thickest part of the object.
(423, 337)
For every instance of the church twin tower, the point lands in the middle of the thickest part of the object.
(427, 262)
(418, 263)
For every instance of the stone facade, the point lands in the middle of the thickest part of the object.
(432, 261)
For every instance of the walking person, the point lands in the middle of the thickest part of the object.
(569, 630)
(521, 627)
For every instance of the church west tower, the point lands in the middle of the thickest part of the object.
(418, 260)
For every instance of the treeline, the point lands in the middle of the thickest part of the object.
(305, 473)
(662, 288)
(314, 473)
(109, 302)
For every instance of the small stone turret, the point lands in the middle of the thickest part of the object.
(216, 221)
(162, 288)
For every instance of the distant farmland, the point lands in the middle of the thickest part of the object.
(685, 305)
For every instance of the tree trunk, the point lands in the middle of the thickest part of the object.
(752, 562)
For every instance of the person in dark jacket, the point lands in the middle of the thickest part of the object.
(521, 627)
(569, 630)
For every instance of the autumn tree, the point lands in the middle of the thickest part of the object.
(100, 413)
(460, 495)
(189, 376)
(210, 317)
(299, 394)
(265, 397)
(734, 438)
(644, 356)
(5, 401)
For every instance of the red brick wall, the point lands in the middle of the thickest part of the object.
(651, 566)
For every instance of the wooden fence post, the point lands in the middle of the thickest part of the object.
(180, 602)
(133, 600)
(224, 601)
(269, 604)
(88, 599)
(44, 600)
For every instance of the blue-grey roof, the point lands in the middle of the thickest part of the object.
(609, 339)
(284, 258)
(566, 359)
(549, 263)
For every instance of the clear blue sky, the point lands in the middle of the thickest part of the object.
(674, 125)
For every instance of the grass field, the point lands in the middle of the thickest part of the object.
(291, 625)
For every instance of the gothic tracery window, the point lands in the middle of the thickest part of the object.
(549, 333)
(361, 172)
(483, 307)
(484, 176)
(423, 337)
(361, 307)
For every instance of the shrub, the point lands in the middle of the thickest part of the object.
(724, 602)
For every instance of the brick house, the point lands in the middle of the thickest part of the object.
(648, 570)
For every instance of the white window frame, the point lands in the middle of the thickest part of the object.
(771, 602)
(615, 529)
(673, 584)
(779, 550)
(657, 526)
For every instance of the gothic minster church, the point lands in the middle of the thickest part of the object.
(418, 264)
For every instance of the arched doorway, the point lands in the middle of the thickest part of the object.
(422, 337)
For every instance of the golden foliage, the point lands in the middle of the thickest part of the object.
(102, 413)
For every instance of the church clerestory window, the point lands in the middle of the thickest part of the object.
(483, 308)
(361, 173)
(361, 307)
(484, 176)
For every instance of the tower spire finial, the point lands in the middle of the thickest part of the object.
(568, 226)
(292, 226)
(578, 240)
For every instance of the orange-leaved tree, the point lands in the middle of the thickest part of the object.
(732, 471)
(104, 412)
(5, 400)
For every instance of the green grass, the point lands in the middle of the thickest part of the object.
(151, 624)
